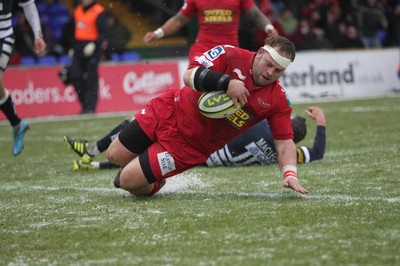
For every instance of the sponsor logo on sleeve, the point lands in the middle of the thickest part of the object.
(204, 61)
(166, 162)
(214, 53)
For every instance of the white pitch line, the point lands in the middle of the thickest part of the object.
(330, 197)
(174, 184)
(347, 197)
(183, 187)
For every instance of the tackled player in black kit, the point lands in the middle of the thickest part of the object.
(256, 145)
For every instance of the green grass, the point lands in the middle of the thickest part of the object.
(50, 215)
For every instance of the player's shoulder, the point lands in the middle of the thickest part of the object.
(226, 50)
(227, 59)
(278, 96)
(279, 89)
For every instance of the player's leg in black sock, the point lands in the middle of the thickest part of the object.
(8, 108)
(104, 143)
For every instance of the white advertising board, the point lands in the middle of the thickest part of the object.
(337, 75)
(342, 74)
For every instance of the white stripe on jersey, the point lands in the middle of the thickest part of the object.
(306, 154)
(223, 157)
(5, 25)
(5, 52)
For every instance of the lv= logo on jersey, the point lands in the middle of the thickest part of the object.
(239, 118)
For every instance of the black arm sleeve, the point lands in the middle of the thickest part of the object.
(306, 155)
(206, 80)
(102, 28)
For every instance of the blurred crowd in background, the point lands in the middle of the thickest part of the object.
(310, 24)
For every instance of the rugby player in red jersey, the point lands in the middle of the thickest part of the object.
(218, 23)
(254, 146)
(170, 135)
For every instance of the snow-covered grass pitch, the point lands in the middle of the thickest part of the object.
(51, 215)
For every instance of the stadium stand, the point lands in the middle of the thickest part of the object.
(47, 60)
(54, 14)
(64, 59)
(129, 56)
(134, 15)
(28, 60)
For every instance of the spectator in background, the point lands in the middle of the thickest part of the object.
(347, 6)
(350, 17)
(296, 7)
(334, 26)
(218, 21)
(317, 40)
(371, 20)
(302, 35)
(118, 36)
(89, 33)
(317, 11)
(288, 21)
(6, 46)
(323, 16)
(67, 39)
(392, 13)
(351, 38)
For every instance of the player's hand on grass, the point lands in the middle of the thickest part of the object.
(294, 184)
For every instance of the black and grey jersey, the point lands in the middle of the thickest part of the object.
(6, 8)
(256, 146)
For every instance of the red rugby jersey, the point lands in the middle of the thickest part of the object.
(265, 102)
(218, 20)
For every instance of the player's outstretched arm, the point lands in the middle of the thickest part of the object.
(317, 114)
(171, 26)
(32, 15)
(317, 151)
(286, 151)
(262, 21)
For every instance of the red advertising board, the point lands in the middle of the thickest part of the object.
(39, 92)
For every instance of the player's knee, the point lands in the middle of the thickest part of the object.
(129, 182)
(111, 155)
(131, 189)
(113, 152)
(124, 181)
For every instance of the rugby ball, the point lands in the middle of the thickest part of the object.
(216, 104)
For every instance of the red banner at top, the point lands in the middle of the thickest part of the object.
(39, 92)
